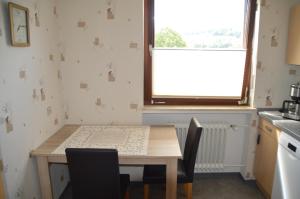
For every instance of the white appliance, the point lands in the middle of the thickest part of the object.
(287, 173)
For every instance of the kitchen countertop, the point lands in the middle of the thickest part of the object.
(291, 127)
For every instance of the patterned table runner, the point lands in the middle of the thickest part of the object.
(128, 140)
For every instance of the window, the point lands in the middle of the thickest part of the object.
(197, 52)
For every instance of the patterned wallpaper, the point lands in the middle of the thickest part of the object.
(86, 55)
(273, 75)
(85, 65)
(31, 91)
(101, 52)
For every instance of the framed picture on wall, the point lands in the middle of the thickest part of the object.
(19, 25)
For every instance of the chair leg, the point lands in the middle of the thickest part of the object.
(188, 189)
(126, 195)
(185, 188)
(146, 191)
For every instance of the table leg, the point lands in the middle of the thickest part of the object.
(44, 175)
(171, 183)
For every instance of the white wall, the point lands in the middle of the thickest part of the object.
(28, 114)
(97, 50)
(102, 46)
(273, 75)
(76, 57)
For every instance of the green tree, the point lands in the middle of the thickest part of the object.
(168, 38)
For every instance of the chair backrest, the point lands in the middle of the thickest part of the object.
(191, 147)
(94, 173)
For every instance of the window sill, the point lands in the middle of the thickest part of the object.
(185, 109)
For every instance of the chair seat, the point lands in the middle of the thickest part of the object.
(156, 174)
(124, 183)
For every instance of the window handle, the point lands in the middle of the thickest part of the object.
(245, 99)
(150, 49)
(158, 102)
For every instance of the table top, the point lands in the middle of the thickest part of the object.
(163, 142)
(128, 140)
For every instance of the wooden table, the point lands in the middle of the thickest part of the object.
(163, 148)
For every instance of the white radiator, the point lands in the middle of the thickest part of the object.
(211, 152)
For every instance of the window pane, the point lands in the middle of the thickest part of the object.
(199, 23)
(198, 72)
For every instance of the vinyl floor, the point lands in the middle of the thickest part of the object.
(207, 186)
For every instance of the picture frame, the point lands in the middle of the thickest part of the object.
(19, 25)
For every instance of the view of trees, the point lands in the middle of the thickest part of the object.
(220, 38)
(168, 38)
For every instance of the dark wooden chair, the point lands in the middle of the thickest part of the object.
(94, 173)
(156, 174)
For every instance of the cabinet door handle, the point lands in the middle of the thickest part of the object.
(258, 139)
(268, 129)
